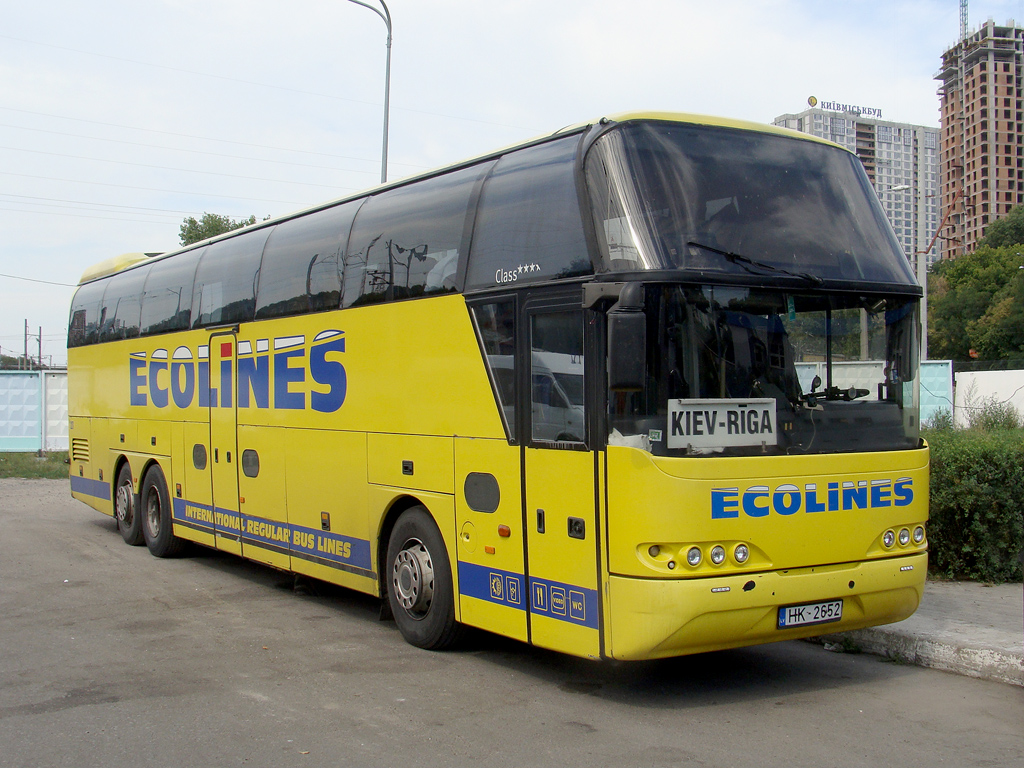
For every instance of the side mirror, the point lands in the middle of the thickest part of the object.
(627, 341)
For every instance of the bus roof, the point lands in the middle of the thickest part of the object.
(114, 264)
(126, 260)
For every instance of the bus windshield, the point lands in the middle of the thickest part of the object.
(741, 371)
(708, 199)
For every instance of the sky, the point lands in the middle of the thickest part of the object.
(120, 119)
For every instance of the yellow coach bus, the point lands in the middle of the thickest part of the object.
(639, 388)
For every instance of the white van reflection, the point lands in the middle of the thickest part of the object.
(557, 394)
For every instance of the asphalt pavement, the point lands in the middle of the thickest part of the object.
(967, 628)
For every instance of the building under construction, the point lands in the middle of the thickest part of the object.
(981, 157)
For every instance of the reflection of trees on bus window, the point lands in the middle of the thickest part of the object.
(405, 241)
(302, 266)
(226, 279)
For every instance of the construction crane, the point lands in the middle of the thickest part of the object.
(963, 19)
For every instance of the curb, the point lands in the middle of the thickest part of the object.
(985, 663)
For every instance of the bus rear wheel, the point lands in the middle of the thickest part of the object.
(128, 523)
(155, 511)
(419, 582)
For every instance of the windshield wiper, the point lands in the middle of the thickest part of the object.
(746, 262)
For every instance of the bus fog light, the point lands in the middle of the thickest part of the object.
(888, 539)
(654, 550)
(918, 534)
(741, 553)
(693, 556)
(718, 555)
(904, 537)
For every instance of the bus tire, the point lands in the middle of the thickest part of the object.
(155, 511)
(129, 524)
(419, 582)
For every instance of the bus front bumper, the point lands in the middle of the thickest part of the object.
(658, 618)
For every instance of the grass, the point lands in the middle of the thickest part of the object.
(50, 466)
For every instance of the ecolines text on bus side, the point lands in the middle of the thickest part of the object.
(303, 376)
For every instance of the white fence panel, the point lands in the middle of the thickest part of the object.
(33, 411)
(55, 426)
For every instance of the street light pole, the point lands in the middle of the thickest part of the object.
(386, 16)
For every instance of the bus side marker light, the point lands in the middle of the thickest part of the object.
(504, 531)
(177, 490)
(489, 550)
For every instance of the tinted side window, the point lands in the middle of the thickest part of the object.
(122, 305)
(528, 224)
(167, 298)
(84, 324)
(301, 269)
(225, 287)
(496, 324)
(405, 242)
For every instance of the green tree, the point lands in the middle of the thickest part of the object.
(211, 225)
(975, 303)
(1009, 230)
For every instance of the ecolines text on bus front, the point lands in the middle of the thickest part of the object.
(278, 378)
(788, 499)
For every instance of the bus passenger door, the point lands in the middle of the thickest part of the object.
(223, 460)
(488, 495)
(560, 479)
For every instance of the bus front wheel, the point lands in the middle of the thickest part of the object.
(155, 511)
(128, 523)
(419, 582)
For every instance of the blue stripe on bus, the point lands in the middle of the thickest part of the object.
(95, 488)
(331, 549)
(554, 599)
(565, 602)
(492, 585)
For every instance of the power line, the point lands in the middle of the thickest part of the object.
(103, 205)
(190, 151)
(258, 84)
(156, 189)
(193, 136)
(169, 168)
(83, 216)
(34, 280)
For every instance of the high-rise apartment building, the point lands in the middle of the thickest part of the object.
(980, 115)
(902, 161)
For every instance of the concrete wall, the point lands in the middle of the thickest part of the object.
(976, 388)
(33, 411)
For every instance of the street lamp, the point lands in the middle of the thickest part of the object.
(386, 16)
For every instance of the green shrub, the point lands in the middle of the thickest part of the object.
(976, 526)
(53, 466)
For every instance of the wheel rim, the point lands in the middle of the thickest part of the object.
(125, 512)
(412, 578)
(153, 513)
